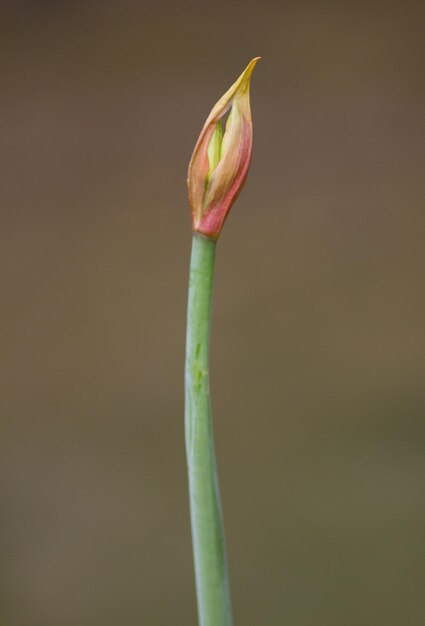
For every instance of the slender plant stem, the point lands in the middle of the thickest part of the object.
(212, 582)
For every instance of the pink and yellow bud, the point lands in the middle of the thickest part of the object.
(220, 161)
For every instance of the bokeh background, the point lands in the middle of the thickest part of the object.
(318, 337)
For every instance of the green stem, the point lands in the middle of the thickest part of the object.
(212, 582)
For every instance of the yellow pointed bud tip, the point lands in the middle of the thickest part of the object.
(245, 77)
(220, 161)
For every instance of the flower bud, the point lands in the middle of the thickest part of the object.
(220, 161)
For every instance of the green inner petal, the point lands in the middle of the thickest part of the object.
(214, 149)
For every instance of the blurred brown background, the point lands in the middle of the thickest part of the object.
(319, 334)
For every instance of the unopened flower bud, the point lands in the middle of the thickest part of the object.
(220, 161)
